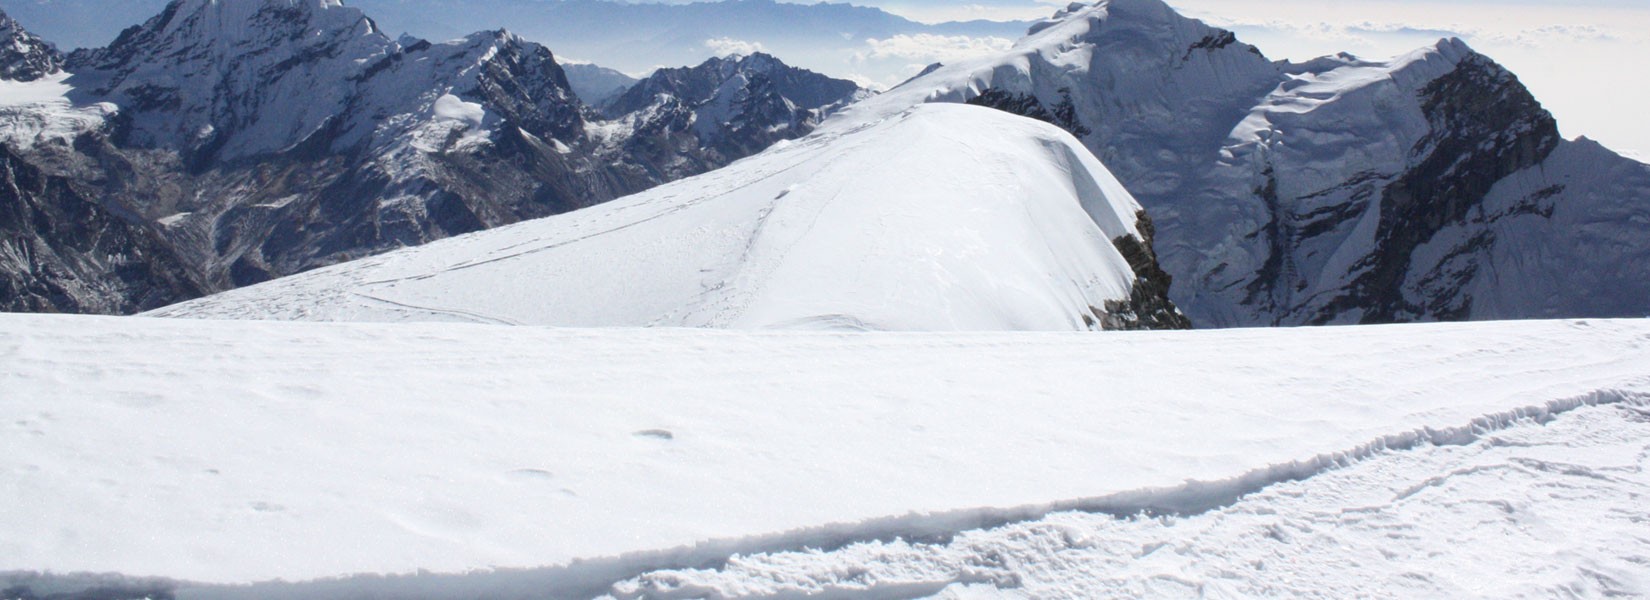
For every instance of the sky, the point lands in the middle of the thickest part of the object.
(1588, 61)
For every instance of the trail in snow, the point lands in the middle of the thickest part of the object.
(1544, 508)
(239, 452)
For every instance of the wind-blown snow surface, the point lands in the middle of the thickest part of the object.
(234, 452)
(940, 217)
(1544, 509)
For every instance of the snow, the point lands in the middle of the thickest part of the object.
(236, 452)
(939, 218)
(1539, 510)
(451, 108)
(40, 111)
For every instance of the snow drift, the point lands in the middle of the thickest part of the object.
(935, 218)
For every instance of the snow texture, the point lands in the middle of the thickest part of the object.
(40, 112)
(525, 462)
(1544, 509)
(939, 218)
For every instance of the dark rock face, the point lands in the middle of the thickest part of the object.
(1063, 116)
(1148, 306)
(1485, 127)
(65, 253)
(24, 57)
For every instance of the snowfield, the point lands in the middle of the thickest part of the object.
(942, 217)
(455, 460)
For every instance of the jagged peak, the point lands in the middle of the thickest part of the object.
(23, 55)
(1160, 23)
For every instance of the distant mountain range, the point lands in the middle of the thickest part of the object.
(252, 139)
(836, 39)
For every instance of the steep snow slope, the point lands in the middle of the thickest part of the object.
(233, 452)
(1339, 190)
(938, 218)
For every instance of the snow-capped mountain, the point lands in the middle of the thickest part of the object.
(23, 56)
(268, 137)
(729, 107)
(1427, 187)
(936, 218)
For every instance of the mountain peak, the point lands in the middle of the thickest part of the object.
(23, 56)
(233, 77)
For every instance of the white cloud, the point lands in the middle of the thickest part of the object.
(929, 48)
(724, 46)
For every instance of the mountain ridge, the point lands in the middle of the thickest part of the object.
(264, 138)
(1337, 190)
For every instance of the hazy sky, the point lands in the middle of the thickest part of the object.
(1588, 61)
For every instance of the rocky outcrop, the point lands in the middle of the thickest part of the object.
(61, 252)
(1148, 306)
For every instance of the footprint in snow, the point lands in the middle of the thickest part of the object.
(531, 475)
(656, 434)
(265, 507)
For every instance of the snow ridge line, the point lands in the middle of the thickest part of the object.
(597, 577)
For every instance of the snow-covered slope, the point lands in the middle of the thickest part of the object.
(938, 218)
(234, 452)
(1548, 508)
(1430, 186)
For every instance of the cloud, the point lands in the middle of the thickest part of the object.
(1551, 35)
(724, 46)
(930, 48)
